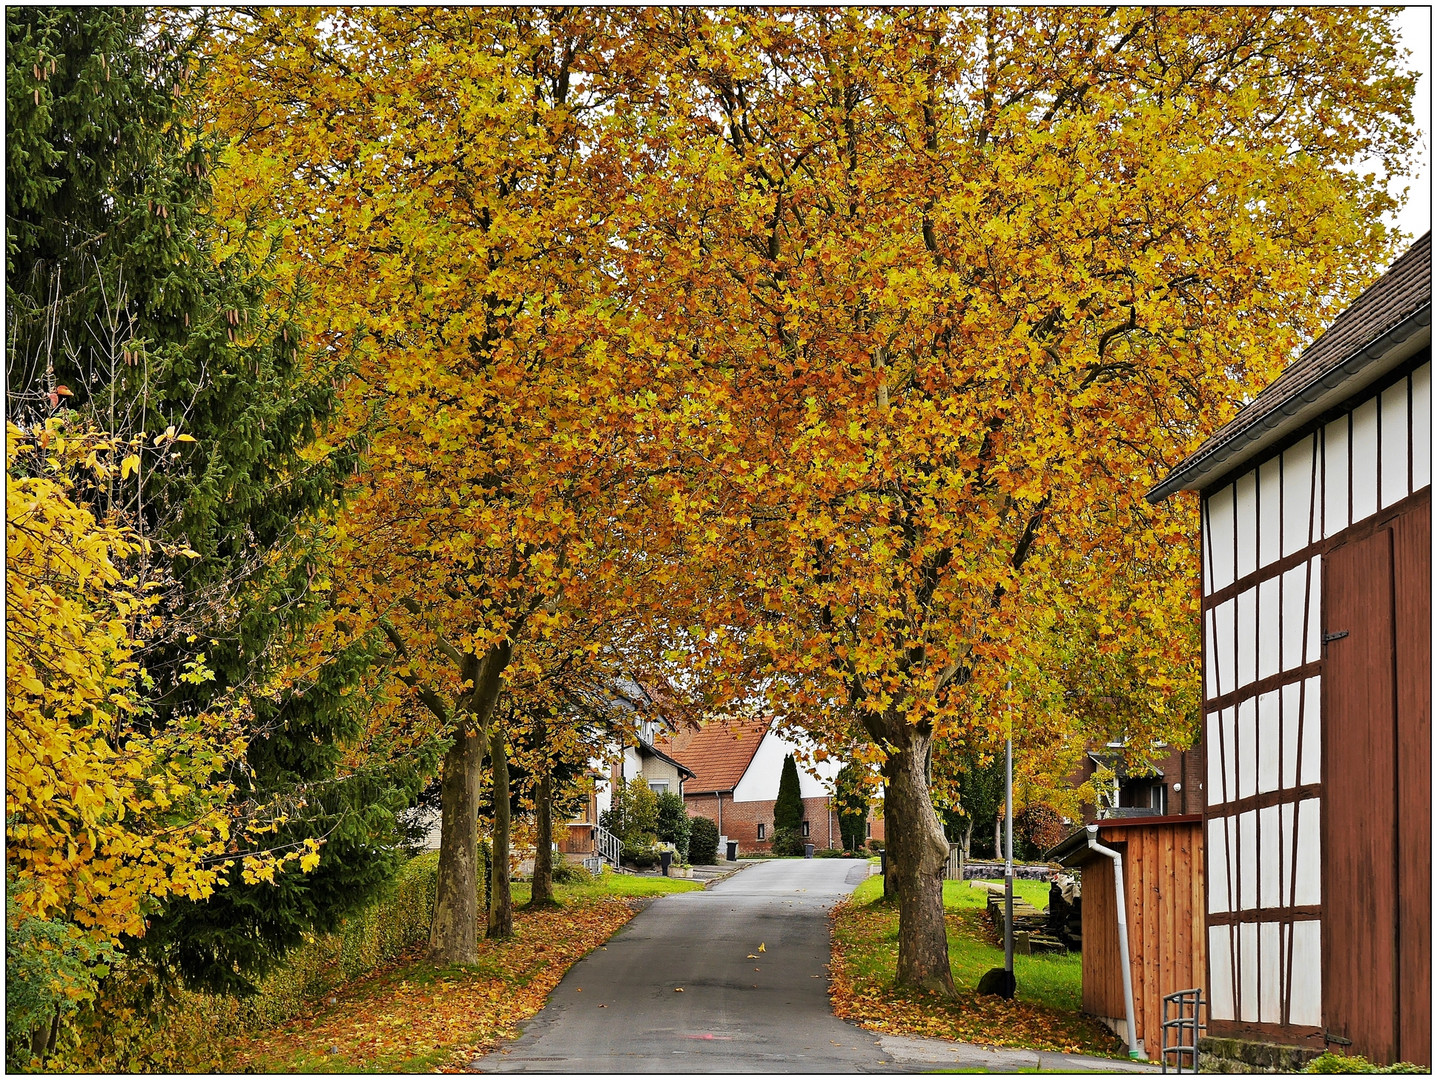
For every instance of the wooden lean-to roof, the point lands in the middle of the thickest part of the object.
(1384, 326)
(719, 753)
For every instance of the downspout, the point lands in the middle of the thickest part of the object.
(1134, 1048)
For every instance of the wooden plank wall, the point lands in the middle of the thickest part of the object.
(1412, 593)
(1163, 865)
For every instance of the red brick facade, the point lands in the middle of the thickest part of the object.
(740, 821)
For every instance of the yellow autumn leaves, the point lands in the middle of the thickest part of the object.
(105, 817)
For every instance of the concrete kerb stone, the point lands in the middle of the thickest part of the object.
(727, 871)
(910, 1050)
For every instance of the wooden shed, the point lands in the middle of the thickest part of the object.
(1317, 660)
(1163, 879)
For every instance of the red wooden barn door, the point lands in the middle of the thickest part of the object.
(1376, 937)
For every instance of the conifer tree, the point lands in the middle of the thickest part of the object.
(130, 304)
(788, 807)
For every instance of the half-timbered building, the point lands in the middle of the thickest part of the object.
(1316, 579)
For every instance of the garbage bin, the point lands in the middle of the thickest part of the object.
(733, 851)
(666, 859)
(808, 851)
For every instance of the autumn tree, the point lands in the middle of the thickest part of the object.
(942, 293)
(447, 177)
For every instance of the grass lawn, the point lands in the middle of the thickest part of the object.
(414, 1017)
(1044, 1015)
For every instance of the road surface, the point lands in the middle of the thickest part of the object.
(740, 1010)
(734, 979)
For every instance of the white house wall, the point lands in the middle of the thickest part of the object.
(760, 781)
(1262, 640)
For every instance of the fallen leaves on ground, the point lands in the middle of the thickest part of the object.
(413, 1016)
(861, 989)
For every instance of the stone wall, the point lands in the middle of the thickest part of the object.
(1245, 1056)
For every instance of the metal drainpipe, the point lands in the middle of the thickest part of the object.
(1134, 1048)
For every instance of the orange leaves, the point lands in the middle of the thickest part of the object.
(415, 1014)
(861, 989)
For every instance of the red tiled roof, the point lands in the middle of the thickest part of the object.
(719, 753)
(1399, 295)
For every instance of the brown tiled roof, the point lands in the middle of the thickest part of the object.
(719, 753)
(1402, 295)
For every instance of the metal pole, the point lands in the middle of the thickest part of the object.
(1008, 871)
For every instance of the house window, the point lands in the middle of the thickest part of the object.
(870, 828)
(658, 787)
(760, 832)
(805, 828)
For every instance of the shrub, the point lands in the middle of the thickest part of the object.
(141, 1025)
(641, 856)
(1329, 1062)
(1039, 827)
(703, 840)
(570, 873)
(786, 842)
(829, 853)
(672, 822)
(633, 818)
(875, 846)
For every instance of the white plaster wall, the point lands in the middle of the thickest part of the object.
(633, 763)
(1364, 460)
(1304, 1005)
(1216, 856)
(1247, 969)
(1422, 427)
(1269, 979)
(1297, 493)
(1219, 942)
(760, 780)
(1269, 636)
(1246, 638)
(1247, 523)
(1269, 739)
(1269, 498)
(1334, 477)
(1308, 884)
(1395, 437)
(1269, 863)
(1218, 539)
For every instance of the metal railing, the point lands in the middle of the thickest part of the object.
(1185, 1020)
(608, 846)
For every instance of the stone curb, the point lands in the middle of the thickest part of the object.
(711, 882)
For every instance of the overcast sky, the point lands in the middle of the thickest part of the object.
(1415, 24)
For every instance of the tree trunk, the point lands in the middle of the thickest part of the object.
(543, 887)
(917, 855)
(967, 840)
(501, 901)
(453, 934)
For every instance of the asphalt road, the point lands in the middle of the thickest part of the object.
(684, 986)
(741, 1010)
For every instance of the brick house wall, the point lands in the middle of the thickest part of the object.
(742, 819)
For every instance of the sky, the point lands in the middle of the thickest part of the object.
(1415, 25)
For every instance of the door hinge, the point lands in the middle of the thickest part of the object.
(1329, 1037)
(1334, 636)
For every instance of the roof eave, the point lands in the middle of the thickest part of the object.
(1367, 364)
